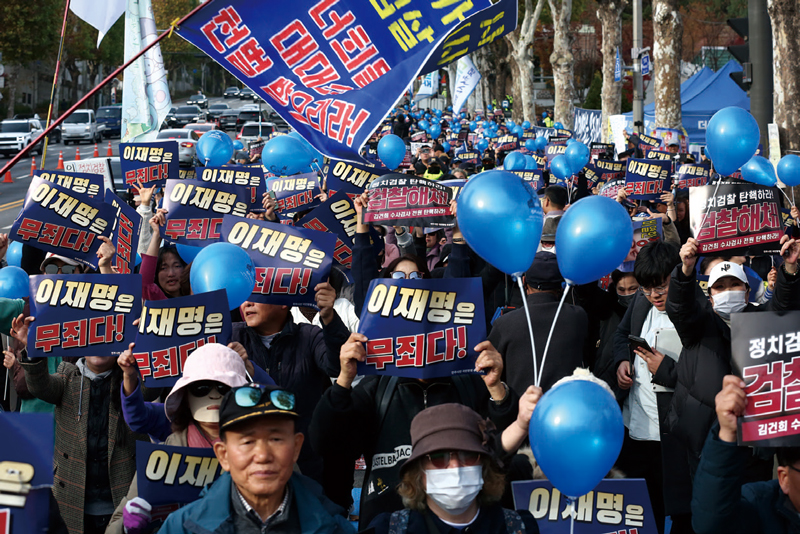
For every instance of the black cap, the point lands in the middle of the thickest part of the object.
(231, 413)
(544, 272)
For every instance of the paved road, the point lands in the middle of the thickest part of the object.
(13, 194)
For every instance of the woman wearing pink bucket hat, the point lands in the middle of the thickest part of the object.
(193, 408)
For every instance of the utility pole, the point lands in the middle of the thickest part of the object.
(760, 41)
(638, 84)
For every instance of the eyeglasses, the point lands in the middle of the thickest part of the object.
(793, 468)
(204, 387)
(52, 268)
(251, 394)
(442, 459)
(413, 275)
(661, 290)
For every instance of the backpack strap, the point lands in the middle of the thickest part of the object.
(514, 524)
(466, 393)
(398, 522)
(383, 396)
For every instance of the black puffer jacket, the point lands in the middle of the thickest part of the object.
(706, 355)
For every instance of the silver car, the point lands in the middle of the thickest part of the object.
(187, 143)
(251, 131)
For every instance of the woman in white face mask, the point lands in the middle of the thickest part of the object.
(451, 480)
(728, 289)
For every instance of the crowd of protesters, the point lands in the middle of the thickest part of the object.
(289, 420)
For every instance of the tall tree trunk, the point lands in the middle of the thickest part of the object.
(520, 50)
(609, 12)
(667, 39)
(563, 62)
(11, 80)
(785, 18)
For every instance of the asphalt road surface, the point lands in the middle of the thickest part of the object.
(13, 194)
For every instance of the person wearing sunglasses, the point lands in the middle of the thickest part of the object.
(193, 407)
(259, 491)
(55, 264)
(451, 481)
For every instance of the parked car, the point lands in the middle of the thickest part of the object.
(251, 131)
(215, 110)
(186, 115)
(111, 118)
(187, 143)
(231, 92)
(246, 94)
(82, 126)
(250, 115)
(227, 121)
(280, 124)
(198, 100)
(16, 135)
(201, 127)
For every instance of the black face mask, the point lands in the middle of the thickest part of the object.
(625, 300)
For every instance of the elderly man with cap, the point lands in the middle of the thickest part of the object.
(543, 282)
(260, 492)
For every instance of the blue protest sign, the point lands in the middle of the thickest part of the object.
(349, 177)
(468, 156)
(606, 170)
(27, 471)
(692, 175)
(151, 163)
(250, 176)
(297, 192)
(399, 199)
(647, 179)
(534, 178)
(553, 149)
(58, 220)
(332, 71)
(166, 474)
(169, 330)
(645, 142)
(618, 506)
(338, 216)
(422, 328)
(195, 209)
(187, 174)
(80, 182)
(654, 153)
(507, 143)
(289, 261)
(126, 233)
(76, 311)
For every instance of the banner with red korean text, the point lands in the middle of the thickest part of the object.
(298, 192)
(766, 355)
(399, 199)
(743, 218)
(149, 163)
(647, 179)
(170, 330)
(80, 314)
(691, 175)
(58, 220)
(127, 232)
(422, 328)
(251, 176)
(80, 182)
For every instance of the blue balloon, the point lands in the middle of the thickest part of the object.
(501, 219)
(788, 171)
(428, 116)
(518, 131)
(437, 112)
(558, 126)
(14, 254)
(559, 167)
(473, 126)
(526, 124)
(482, 145)
(435, 131)
(578, 156)
(570, 141)
(593, 223)
(515, 161)
(391, 150)
(224, 266)
(732, 136)
(576, 434)
(446, 146)
(14, 283)
(215, 148)
(237, 145)
(759, 171)
(541, 143)
(489, 108)
(449, 108)
(405, 107)
(510, 124)
(530, 163)
(188, 252)
(423, 124)
(463, 115)
(312, 152)
(285, 155)
(530, 144)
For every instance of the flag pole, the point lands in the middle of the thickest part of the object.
(102, 84)
(55, 81)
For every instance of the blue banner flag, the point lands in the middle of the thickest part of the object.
(289, 261)
(58, 220)
(338, 216)
(647, 179)
(27, 475)
(126, 233)
(468, 156)
(166, 474)
(151, 163)
(251, 177)
(350, 177)
(618, 67)
(80, 182)
(645, 142)
(422, 328)
(77, 311)
(645, 63)
(170, 330)
(588, 125)
(195, 210)
(297, 192)
(692, 175)
(331, 70)
(399, 199)
(618, 506)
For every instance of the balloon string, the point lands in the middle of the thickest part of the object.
(573, 513)
(787, 196)
(705, 215)
(530, 328)
(550, 335)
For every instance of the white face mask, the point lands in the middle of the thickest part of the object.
(454, 489)
(205, 409)
(729, 302)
